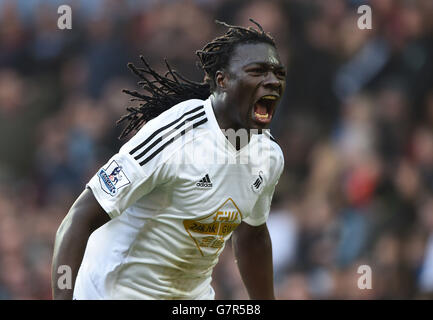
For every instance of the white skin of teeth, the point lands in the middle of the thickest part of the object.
(258, 115)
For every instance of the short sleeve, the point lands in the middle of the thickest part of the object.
(121, 182)
(262, 207)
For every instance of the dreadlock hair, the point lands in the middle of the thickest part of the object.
(164, 91)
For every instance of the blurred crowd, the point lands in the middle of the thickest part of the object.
(355, 126)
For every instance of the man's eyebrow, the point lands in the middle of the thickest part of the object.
(265, 64)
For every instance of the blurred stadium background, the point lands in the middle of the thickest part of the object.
(356, 127)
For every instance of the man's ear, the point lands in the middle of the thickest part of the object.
(221, 79)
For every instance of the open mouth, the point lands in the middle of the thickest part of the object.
(264, 108)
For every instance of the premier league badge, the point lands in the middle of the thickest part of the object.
(112, 178)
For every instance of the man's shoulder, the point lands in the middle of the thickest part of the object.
(275, 147)
(168, 130)
(187, 104)
(276, 156)
(185, 111)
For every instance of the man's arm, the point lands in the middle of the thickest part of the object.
(85, 216)
(253, 251)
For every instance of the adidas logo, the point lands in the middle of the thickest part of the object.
(204, 182)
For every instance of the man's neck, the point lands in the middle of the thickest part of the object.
(222, 113)
(222, 110)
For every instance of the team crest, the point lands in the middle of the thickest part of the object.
(257, 185)
(112, 178)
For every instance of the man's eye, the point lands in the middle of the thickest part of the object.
(257, 70)
(281, 74)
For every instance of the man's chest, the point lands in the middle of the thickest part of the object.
(200, 190)
(212, 201)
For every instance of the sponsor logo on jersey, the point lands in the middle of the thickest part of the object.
(211, 232)
(204, 182)
(258, 183)
(112, 178)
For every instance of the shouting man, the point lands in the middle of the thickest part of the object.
(153, 220)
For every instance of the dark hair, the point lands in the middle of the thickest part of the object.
(164, 91)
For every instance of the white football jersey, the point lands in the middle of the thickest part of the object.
(175, 192)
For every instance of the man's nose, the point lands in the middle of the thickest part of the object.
(272, 81)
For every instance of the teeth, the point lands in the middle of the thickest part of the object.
(261, 116)
(269, 97)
